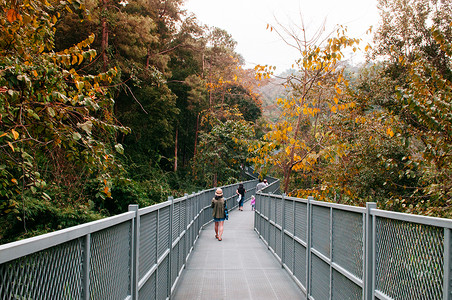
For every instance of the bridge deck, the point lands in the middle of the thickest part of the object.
(238, 267)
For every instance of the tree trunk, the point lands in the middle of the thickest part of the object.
(175, 150)
(104, 44)
(196, 135)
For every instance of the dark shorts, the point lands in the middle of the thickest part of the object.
(218, 219)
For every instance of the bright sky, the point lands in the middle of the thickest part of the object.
(246, 21)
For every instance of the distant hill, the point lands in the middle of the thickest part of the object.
(271, 90)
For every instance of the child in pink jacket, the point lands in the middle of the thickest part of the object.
(253, 202)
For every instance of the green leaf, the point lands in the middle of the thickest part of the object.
(51, 111)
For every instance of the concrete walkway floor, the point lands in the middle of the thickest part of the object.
(238, 267)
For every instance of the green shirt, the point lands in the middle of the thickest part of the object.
(218, 208)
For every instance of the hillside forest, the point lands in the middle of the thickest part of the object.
(106, 103)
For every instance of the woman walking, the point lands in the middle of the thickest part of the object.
(219, 213)
(241, 192)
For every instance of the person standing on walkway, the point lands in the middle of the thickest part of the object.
(219, 212)
(241, 193)
(260, 185)
(253, 203)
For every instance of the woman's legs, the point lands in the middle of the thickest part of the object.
(216, 229)
(220, 229)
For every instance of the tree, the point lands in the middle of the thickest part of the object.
(301, 136)
(57, 126)
(222, 148)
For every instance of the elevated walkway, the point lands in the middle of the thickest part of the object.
(238, 267)
(168, 251)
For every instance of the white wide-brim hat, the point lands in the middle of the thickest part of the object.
(219, 192)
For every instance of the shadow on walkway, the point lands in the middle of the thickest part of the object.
(238, 267)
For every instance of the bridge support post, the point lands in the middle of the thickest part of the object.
(283, 228)
(86, 266)
(369, 259)
(447, 280)
(135, 252)
(170, 245)
(308, 246)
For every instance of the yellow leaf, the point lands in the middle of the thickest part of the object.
(35, 73)
(336, 100)
(11, 145)
(106, 190)
(14, 180)
(390, 132)
(334, 109)
(2, 135)
(15, 134)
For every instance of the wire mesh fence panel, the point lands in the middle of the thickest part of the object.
(162, 279)
(409, 260)
(174, 262)
(289, 252)
(54, 273)
(148, 290)
(266, 230)
(348, 241)
(272, 208)
(344, 288)
(320, 278)
(110, 262)
(288, 217)
(321, 229)
(300, 263)
(176, 221)
(278, 211)
(182, 252)
(148, 242)
(301, 220)
(278, 242)
(183, 220)
(163, 231)
(272, 237)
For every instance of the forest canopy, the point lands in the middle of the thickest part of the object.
(108, 103)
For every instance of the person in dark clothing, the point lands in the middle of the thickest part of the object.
(241, 193)
(219, 213)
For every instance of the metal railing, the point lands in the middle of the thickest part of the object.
(331, 251)
(341, 252)
(139, 254)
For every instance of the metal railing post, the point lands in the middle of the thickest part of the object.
(308, 246)
(86, 266)
(283, 228)
(135, 252)
(185, 252)
(447, 289)
(369, 262)
(170, 243)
